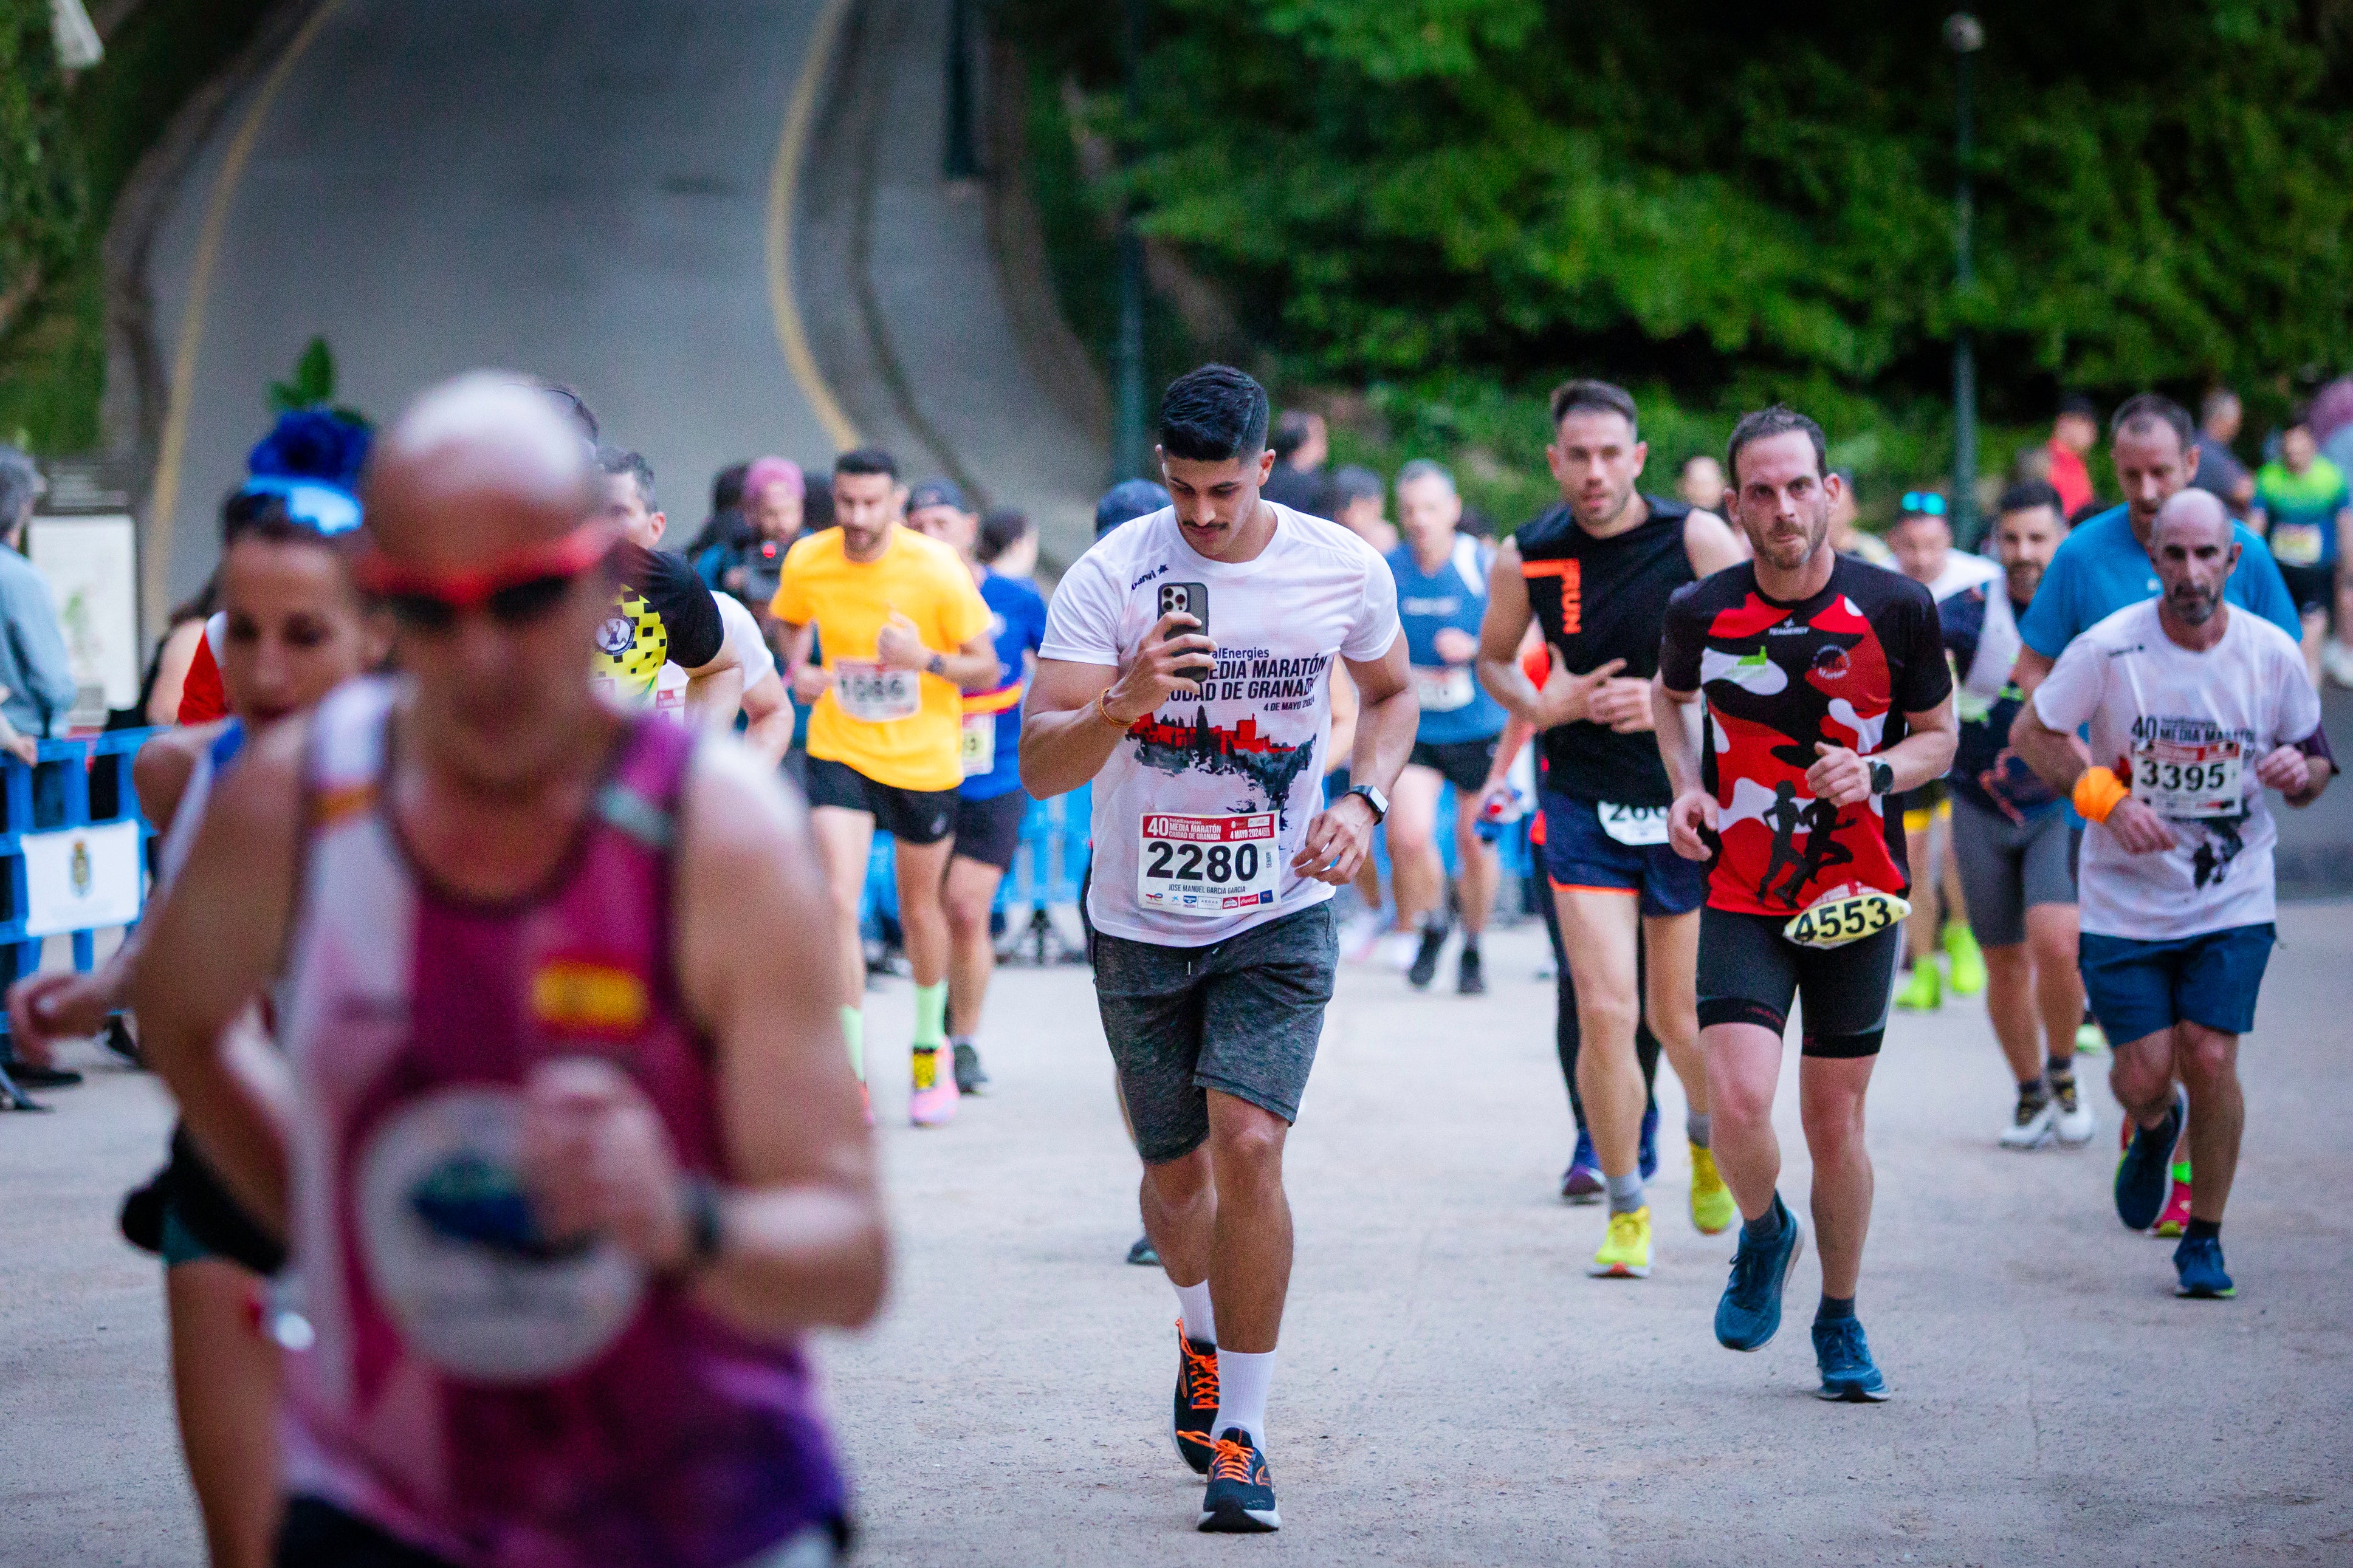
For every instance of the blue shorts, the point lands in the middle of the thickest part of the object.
(1579, 854)
(2141, 988)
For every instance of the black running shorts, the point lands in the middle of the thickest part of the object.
(1463, 763)
(910, 815)
(1750, 974)
(989, 831)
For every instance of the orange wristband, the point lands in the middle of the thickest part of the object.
(2098, 792)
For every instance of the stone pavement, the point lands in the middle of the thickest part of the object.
(1452, 1389)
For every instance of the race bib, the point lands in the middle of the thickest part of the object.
(979, 743)
(1847, 915)
(1205, 865)
(2188, 780)
(1443, 690)
(666, 698)
(2296, 543)
(873, 693)
(1639, 825)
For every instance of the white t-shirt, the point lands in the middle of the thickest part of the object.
(2185, 730)
(1962, 569)
(745, 647)
(1202, 805)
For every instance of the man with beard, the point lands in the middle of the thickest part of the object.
(2199, 708)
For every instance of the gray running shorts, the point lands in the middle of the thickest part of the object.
(2008, 868)
(1240, 1017)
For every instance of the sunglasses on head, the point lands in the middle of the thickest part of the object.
(514, 590)
(1923, 503)
(325, 510)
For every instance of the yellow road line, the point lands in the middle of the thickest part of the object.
(164, 497)
(783, 180)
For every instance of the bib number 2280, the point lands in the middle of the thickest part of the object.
(1206, 866)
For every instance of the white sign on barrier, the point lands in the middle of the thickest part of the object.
(80, 878)
(92, 565)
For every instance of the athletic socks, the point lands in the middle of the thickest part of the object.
(1243, 1379)
(1200, 1317)
(1699, 1129)
(1625, 1191)
(932, 1015)
(2033, 1092)
(1834, 1307)
(2202, 1230)
(1766, 1230)
(853, 1030)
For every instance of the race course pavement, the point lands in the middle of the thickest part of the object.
(1452, 1388)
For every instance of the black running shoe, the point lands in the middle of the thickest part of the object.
(1425, 961)
(1240, 1497)
(968, 1075)
(32, 1075)
(1143, 1254)
(1197, 1400)
(1470, 980)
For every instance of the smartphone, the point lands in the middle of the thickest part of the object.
(1189, 599)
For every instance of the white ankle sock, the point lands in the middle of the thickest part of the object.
(1243, 1379)
(1200, 1319)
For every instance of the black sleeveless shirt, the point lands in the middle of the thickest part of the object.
(1599, 599)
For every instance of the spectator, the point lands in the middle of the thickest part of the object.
(167, 672)
(1849, 538)
(2219, 468)
(725, 525)
(1700, 483)
(1302, 443)
(2332, 422)
(2074, 433)
(771, 505)
(40, 690)
(1358, 499)
(2303, 509)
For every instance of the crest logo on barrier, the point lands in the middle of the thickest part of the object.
(81, 868)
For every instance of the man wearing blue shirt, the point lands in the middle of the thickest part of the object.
(2105, 564)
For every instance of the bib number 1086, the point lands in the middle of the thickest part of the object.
(1205, 865)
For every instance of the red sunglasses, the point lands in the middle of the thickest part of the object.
(516, 589)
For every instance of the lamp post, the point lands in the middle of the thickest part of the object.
(1127, 453)
(1965, 36)
(962, 159)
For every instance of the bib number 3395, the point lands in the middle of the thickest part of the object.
(1205, 865)
(1835, 921)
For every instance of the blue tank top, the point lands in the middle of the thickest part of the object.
(1454, 706)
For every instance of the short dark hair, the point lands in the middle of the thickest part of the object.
(1355, 483)
(614, 461)
(1000, 530)
(1291, 433)
(2027, 494)
(1764, 423)
(2143, 409)
(866, 460)
(1594, 397)
(727, 487)
(1213, 414)
(263, 515)
(2080, 407)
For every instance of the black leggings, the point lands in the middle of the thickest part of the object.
(1565, 1032)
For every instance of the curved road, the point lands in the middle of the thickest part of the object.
(578, 189)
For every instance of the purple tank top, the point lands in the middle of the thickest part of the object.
(493, 1397)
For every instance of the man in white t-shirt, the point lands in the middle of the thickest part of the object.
(2197, 707)
(1186, 670)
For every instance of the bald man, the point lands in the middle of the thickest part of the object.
(2198, 707)
(563, 1137)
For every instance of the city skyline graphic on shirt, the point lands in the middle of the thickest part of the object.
(1176, 747)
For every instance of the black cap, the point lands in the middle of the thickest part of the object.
(936, 493)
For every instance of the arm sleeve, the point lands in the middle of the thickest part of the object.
(2049, 624)
(1082, 621)
(1377, 624)
(1682, 642)
(689, 613)
(1926, 678)
(2266, 590)
(746, 649)
(2070, 695)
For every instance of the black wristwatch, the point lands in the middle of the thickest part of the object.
(1375, 799)
(936, 665)
(1883, 777)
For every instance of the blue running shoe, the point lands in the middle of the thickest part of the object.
(1240, 1496)
(1582, 1183)
(1648, 1162)
(2198, 1261)
(1844, 1355)
(2145, 1175)
(1750, 1313)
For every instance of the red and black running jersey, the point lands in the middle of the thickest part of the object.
(1841, 668)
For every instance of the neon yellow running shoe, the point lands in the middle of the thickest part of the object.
(1969, 976)
(1712, 1210)
(1626, 1255)
(1925, 992)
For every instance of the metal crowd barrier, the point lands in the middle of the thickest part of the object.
(69, 870)
(1048, 869)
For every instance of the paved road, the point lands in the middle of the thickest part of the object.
(1453, 1390)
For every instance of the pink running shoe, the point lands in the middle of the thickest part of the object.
(2176, 1217)
(933, 1101)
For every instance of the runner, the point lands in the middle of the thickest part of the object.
(665, 645)
(2202, 708)
(2012, 839)
(767, 709)
(1441, 586)
(2104, 565)
(1922, 541)
(901, 629)
(1826, 692)
(1596, 573)
(990, 802)
(554, 1298)
(295, 629)
(2303, 508)
(1185, 662)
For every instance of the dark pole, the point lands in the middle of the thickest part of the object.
(1127, 453)
(963, 160)
(1964, 36)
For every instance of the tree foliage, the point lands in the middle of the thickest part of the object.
(43, 197)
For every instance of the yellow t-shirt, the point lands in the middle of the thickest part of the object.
(901, 728)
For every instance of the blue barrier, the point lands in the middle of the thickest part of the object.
(1047, 867)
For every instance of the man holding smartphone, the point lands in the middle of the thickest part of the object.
(1188, 661)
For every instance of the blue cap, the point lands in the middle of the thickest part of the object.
(1125, 501)
(936, 493)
